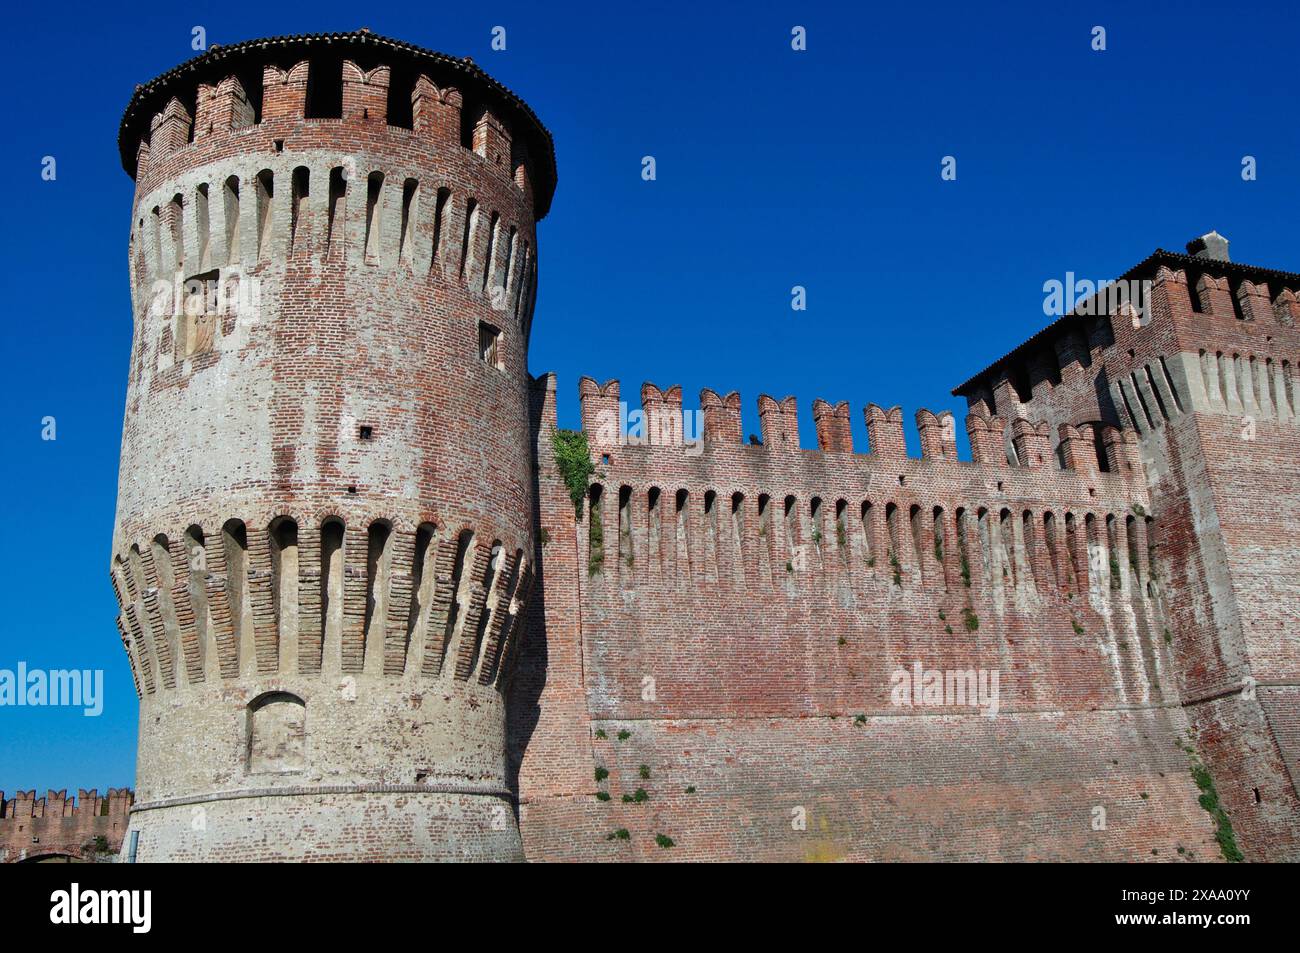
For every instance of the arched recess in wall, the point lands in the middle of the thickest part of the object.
(176, 223)
(595, 530)
(277, 734)
(332, 534)
(299, 193)
(196, 561)
(374, 214)
(336, 207)
(283, 536)
(406, 229)
(379, 554)
(234, 539)
(230, 204)
(265, 184)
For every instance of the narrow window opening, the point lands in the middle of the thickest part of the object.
(489, 345)
(1193, 294)
(469, 117)
(325, 88)
(401, 84)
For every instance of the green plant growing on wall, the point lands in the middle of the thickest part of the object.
(897, 567)
(840, 536)
(601, 773)
(644, 771)
(1114, 571)
(596, 556)
(970, 619)
(1078, 629)
(624, 735)
(602, 795)
(573, 458)
(620, 834)
(1209, 800)
(664, 841)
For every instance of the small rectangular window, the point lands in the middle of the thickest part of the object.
(196, 324)
(489, 345)
(366, 431)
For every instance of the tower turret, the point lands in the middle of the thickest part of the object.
(324, 519)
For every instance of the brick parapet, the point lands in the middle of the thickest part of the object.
(88, 827)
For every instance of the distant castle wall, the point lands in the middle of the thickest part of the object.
(56, 827)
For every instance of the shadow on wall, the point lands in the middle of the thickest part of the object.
(523, 687)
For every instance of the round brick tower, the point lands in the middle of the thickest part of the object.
(324, 517)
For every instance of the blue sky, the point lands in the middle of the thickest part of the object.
(775, 168)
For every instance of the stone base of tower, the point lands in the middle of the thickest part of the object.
(329, 826)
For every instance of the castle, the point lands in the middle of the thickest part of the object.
(378, 607)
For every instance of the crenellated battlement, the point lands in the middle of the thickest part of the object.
(1068, 513)
(344, 81)
(88, 827)
(1198, 333)
(1089, 449)
(57, 804)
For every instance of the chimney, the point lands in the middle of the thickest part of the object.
(1212, 245)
